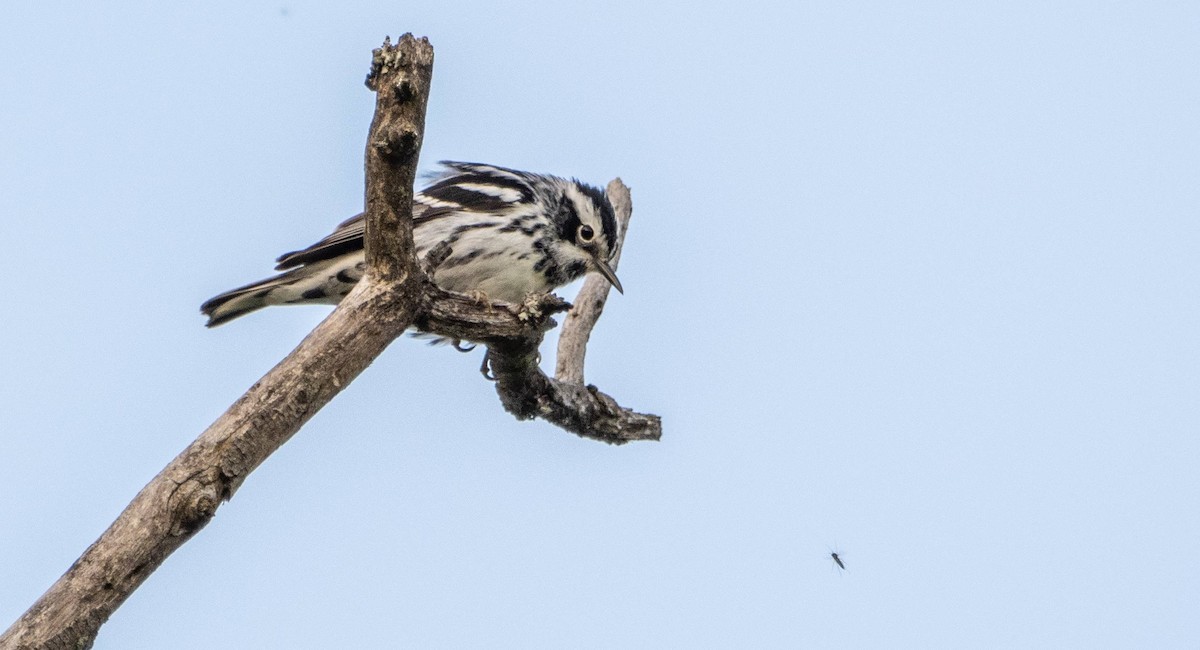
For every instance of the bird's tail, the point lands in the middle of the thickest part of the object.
(241, 301)
(324, 282)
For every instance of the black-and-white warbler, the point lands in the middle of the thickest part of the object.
(510, 234)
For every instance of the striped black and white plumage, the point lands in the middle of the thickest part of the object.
(510, 233)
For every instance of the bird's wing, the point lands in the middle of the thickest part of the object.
(469, 187)
(348, 236)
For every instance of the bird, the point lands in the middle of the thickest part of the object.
(510, 234)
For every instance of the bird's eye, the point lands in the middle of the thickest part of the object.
(586, 234)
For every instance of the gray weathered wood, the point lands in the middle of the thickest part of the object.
(186, 494)
(526, 392)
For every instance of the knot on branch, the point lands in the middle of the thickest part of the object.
(397, 143)
(404, 90)
(195, 501)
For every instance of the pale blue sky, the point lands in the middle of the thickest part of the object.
(914, 282)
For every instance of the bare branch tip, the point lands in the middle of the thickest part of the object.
(408, 51)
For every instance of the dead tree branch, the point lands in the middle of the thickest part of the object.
(186, 494)
(394, 295)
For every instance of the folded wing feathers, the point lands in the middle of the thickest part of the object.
(460, 185)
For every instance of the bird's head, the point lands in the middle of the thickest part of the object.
(587, 230)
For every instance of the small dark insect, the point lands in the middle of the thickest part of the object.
(834, 555)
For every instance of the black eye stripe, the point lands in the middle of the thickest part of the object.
(608, 221)
(569, 220)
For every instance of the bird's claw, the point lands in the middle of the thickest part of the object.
(485, 368)
(457, 343)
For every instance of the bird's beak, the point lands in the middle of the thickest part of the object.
(608, 273)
